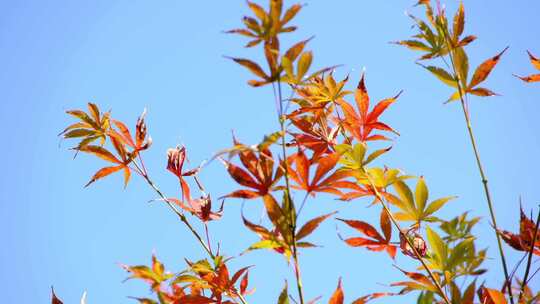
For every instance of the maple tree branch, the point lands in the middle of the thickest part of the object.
(482, 174)
(297, 273)
(142, 163)
(282, 118)
(402, 232)
(186, 222)
(178, 213)
(529, 259)
(395, 222)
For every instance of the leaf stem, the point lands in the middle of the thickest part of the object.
(302, 204)
(207, 236)
(529, 259)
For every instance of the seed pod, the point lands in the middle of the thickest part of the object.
(416, 239)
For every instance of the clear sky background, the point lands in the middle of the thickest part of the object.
(167, 56)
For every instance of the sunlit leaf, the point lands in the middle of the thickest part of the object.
(484, 69)
(337, 296)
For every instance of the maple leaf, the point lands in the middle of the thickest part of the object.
(299, 78)
(375, 180)
(267, 24)
(256, 70)
(483, 70)
(359, 191)
(415, 207)
(524, 240)
(459, 81)
(355, 158)
(119, 164)
(528, 296)
(419, 282)
(320, 91)
(141, 142)
(283, 218)
(55, 299)
(337, 297)
(175, 164)
(374, 241)
(270, 239)
(491, 296)
(480, 75)
(244, 284)
(154, 275)
(220, 281)
(258, 176)
(201, 283)
(316, 136)
(362, 123)
(438, 39)
(284, 295)
(322, 180)
(91, 127)
(265, 28)
(536, 63)
(311, 225)
(201, 208)
(276, 67)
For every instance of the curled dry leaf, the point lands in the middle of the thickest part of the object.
(523, 240)
(416, 239)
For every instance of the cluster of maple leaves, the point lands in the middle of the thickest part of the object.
(437, 38)
(325, 147)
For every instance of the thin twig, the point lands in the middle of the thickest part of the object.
(482, 175)
(185, 221)
(282, 118)
(180, 215)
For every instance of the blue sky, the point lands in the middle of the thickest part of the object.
(167, 56)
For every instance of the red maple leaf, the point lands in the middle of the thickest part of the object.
(322, 180)
(175, 164)
(318, 137)
(360, 125)
(259, 174)
(373, 241)
(523, 240)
